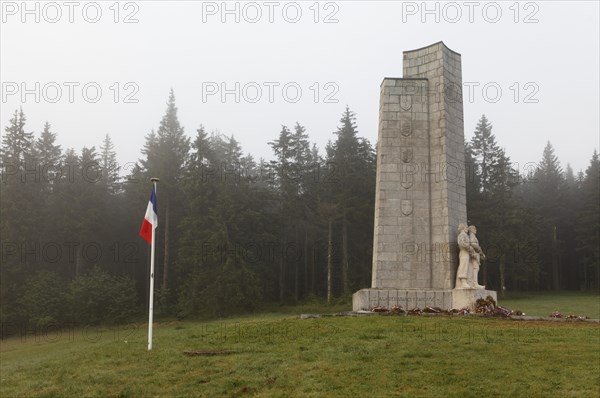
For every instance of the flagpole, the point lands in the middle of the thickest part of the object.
(151, 306)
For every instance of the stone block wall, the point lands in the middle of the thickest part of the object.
(420, 193)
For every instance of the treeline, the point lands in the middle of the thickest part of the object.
(236, 232)
(538, 224)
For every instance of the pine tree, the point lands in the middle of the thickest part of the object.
(283, 151)
(493, 206)
(108, 163)
(20, 197)
(282, 184)
(588, 227)
(473, 184)
(16, 142)
(167, 153)
(201, 151)
(233, 153)
(282, 168)
(19, 211)
(549, 191)
(300, 177)
(572, 199)
(224, 216)
(503, 215)
(352, 161)
(486, 152)
(49, 154)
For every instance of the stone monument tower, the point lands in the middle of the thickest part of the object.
(420, 195)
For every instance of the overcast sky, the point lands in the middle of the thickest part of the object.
(532, 68)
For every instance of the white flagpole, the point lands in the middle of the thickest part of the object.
(151, 306)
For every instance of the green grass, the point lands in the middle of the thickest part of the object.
(278, 355)
(544, 303)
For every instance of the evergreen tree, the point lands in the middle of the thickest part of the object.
(223, 219)
(49, 155)
(109, 166)
(550, 205)
(283, 185)
(201, 153)
(167, 153)
(572, 204)
(351, 163)
(472, 184)
(20, 182)
(503, 217)
(487, 153)
(492, 205)
(16, 142)
(80, 209)
(588, 227)
(19, 197)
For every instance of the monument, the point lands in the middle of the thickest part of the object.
(420, 197)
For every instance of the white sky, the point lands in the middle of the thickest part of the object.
(184, 46)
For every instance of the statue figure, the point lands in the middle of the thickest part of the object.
(476, 257)
(464, 256)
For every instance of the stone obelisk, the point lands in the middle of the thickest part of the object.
(420, 194)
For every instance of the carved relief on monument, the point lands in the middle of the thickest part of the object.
(406, 102)
(406, 127)
(407, 175)
(406, 207)
(407, 155)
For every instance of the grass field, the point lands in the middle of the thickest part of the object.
(279, 355)
(544, 303)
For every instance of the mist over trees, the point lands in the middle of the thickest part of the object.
(236, 232)
(539, 225)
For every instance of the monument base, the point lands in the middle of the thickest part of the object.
(367, 299)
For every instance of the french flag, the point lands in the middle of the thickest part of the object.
(150, 219)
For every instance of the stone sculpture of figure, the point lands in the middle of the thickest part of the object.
(476, 257)
(464, 257)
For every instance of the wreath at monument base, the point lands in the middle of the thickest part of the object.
(486, 307)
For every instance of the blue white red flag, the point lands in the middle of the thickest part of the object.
(150, 219)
